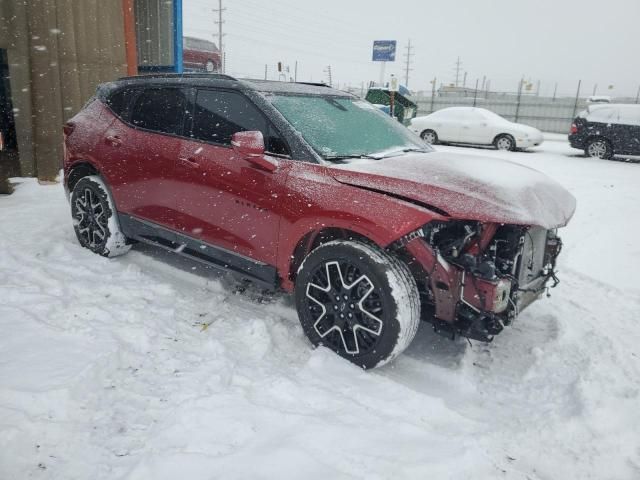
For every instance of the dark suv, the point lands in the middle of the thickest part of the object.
(313, 191)
(605, 130)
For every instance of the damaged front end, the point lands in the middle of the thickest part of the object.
(475, 278)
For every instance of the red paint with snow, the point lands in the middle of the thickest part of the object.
(478, 234)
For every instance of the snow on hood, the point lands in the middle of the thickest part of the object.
(466, 187)
(528, 129)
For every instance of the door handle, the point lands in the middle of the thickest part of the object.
(188, 162)
(114, 140)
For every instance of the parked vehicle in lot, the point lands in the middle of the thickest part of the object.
(475, 126)
(599, 99)
(605, 130)
(307, 189)
(200, 55)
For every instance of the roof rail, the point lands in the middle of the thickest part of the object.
(315, 84)
(220, 76)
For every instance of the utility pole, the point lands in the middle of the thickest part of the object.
(475, 93)
(595, 88)
(266, 66)
(328, 72)
(519, 96)
(219, 22)
(433, 92)
(575, 105)
(464, 80)
(407, 67)
(458, 65)
(295, 72)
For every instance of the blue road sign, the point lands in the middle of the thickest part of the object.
(384, 51)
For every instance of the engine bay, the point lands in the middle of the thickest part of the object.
(494, 271)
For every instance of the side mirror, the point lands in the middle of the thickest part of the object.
(250, 146)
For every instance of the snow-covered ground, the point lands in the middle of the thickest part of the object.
(150, 367)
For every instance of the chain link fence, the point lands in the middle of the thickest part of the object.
(545, 113)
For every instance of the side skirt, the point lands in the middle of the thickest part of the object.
(241, 266)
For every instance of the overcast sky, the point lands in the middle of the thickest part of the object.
(543, 40)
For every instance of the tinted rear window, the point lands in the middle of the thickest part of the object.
(160, 110)
(119, 101)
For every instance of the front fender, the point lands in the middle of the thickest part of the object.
(318, 202)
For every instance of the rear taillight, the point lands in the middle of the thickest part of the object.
(574, 128)
(68, 128)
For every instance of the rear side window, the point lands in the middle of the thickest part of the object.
(160, 109)
(218, 114)
(119, 101)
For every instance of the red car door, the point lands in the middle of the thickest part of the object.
(223, 200)
(141, 154)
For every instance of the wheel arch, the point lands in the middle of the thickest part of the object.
(79, 170)
(313, 239)
(503, 134)
(428, 129)
(597, 136)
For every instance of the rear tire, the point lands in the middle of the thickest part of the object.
(210, 67)
(95, 219)
(599, 148)
(505, 142)
(357, 300)
(429, 136)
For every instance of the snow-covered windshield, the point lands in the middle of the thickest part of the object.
(339, 127)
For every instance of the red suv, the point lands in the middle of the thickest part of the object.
(313, 191)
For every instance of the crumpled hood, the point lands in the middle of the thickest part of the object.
(466, 187)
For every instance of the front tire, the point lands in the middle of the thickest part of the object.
(357, 300)
(505, 142)
(95, 218)
(429, 136)
(599, 148)
(210, 67)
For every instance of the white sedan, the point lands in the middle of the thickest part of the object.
(475, 126)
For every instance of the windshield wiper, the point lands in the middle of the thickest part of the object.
(376, 156)
(404, 150)
(333, 158)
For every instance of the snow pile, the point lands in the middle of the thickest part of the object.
(149, 367)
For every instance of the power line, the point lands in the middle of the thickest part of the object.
(296, 39)
(290, 25)
(407, 63)
(311, 53)
(283, 10)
